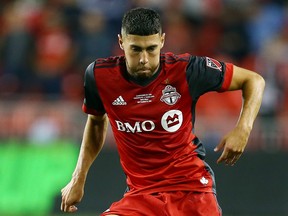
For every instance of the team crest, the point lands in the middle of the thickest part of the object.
(212, 63)
(169, 95)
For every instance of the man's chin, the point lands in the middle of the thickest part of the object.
(143, 74)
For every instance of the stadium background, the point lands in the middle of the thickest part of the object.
(45, 47)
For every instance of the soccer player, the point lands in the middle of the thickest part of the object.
(149, 98)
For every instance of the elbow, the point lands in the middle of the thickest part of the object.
(256, 84)
(260, 81)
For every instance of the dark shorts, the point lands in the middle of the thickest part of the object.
(178, 203)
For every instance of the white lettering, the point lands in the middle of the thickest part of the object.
(150, 124)
(138, 127)
(120, 126)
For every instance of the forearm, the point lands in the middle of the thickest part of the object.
(252, 92)
(252, 86)
(92, 142)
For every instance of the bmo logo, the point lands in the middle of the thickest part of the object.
(171, 121)
(137, 127)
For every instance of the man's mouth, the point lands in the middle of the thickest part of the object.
(145, 70)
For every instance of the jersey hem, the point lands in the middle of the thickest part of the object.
(165, 189)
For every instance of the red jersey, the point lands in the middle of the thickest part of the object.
(153, 121)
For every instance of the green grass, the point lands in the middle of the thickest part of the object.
(32, 175)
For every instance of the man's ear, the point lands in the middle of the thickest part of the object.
(120, 41)
(162, 40)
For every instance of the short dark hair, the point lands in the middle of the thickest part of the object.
(141, 21)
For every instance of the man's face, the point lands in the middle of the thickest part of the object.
(142, 53)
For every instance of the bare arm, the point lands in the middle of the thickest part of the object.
(93, 140)
(252, 86)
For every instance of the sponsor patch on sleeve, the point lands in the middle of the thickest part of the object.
(212, 63)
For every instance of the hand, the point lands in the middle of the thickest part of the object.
(72, 194)
(234, 144)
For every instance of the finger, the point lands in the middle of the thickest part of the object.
(223, 157)
(69, 208)
(219, 147)
(66, 207)
(232, 160)
(235, 159)
(72, 208)
(62, 204)
(64, 190)
(227, 157)
(228, 161)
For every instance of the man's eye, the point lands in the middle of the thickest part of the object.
(135, 49)
(151, 49)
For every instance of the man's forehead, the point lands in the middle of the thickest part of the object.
(137, 39)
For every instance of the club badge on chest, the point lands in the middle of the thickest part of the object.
(170, 95)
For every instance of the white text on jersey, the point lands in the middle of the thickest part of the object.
(138, 127)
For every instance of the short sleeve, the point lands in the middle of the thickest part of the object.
(227, 78)
(206, 74)
(92, 102)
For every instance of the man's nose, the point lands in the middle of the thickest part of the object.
(143, 58)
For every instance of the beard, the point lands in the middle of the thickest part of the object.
(141, 73)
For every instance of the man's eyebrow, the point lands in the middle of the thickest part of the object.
(139, 47)
(152, 46)
(135, 46)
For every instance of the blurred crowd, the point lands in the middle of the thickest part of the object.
(45, 45)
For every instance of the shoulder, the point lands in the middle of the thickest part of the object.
(171, 58)
(109, 62)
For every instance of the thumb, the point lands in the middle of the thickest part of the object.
(219, 146)
(72, 208)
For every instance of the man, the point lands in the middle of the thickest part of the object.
(149, 98)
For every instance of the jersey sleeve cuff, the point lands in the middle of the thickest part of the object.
(87, 110)
(227, 77)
